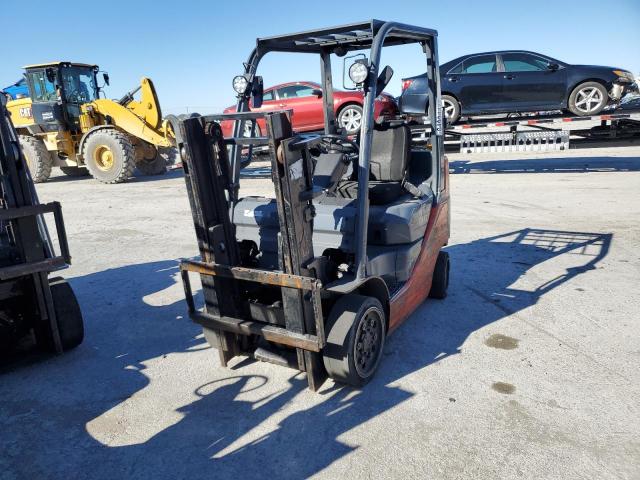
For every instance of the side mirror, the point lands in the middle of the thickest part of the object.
(105, 76)
(383, 79)
(257, 91)
(317, 92)
(553, 66)
(51, 74)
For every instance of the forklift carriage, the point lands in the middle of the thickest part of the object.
(316, 277)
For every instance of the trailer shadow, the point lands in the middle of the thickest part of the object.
(245, 424)
(547, 165)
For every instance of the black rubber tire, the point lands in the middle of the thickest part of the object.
(39, 159)
(68, 313)
(75, 171)
(68, 318)
(573, 97)
(353, 106)
(123, 155)
(455, 116)
(440, 281)
(155, 166)
(341, 329)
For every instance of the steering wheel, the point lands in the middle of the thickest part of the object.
(75, 96)
(332, 143)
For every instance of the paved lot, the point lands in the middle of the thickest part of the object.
(529, 369)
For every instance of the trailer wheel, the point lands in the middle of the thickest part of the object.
(440, 281)
(68, 318)
(588, 98)
(356, 330)
(154, 166)
(451, 109)
(109, 155)
(39, 159)
(75, 171)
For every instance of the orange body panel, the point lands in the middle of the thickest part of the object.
(436, 236)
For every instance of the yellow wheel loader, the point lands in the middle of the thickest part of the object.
(65, 123)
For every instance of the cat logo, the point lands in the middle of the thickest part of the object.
(25, 112)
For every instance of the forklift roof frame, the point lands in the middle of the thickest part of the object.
(373, 35)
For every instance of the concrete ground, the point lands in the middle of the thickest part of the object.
(529, 368)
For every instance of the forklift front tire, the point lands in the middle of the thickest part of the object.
(68, 318)
(356, 330)
(440, 281)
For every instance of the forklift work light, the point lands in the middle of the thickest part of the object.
(358, 72)
(240, 84)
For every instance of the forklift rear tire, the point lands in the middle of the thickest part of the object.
(39, 159)
(356, 330)
(440, 281)
(109, 155)
(75, 171)
(68, 317)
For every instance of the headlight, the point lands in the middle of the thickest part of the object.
(358, 72)
(240, 84)
(624, 74)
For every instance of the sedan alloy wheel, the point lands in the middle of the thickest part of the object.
(350, 119)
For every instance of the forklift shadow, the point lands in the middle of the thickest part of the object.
(548, 165)
(249, 426)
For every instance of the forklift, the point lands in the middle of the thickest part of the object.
(31, 303)
(317, 277)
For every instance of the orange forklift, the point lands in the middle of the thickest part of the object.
(351, 244)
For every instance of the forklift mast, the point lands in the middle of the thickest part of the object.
(26, 251)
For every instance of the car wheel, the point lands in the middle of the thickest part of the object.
(588, 98)
(451, 108)
(350, 119)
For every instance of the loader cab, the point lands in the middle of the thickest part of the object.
(57, 91)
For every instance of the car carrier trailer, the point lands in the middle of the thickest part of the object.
(30, 301)
(541, 132)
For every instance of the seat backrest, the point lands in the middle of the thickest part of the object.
(390, 152)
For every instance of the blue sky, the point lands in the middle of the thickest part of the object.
(192, 49)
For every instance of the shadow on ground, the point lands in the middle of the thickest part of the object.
(547, 165)
(46, 408)
(137, 177)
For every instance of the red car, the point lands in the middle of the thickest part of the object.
(305, 99)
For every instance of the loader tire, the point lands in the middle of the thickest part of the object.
(39, 159)
(155, 166)
(109, 156)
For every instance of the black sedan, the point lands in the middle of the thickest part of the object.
(517, 82)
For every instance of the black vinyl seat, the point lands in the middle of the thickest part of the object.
(390, 148)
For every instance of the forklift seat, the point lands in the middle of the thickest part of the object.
(390, 148)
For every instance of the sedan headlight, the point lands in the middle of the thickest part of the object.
(240, 84)
(624, 74)
(358, 72)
